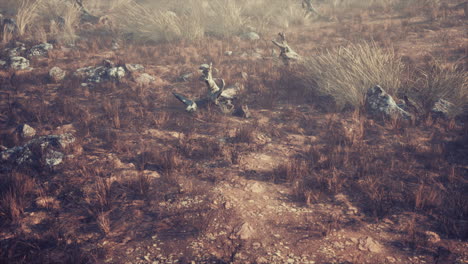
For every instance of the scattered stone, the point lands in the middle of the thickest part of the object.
(134, 67)
(37, 152)
(379, 105)
(251, 36)
(56, 74)
(144, 79)
(228, 53)
(116, 73)
(245, 231)
(92, 74)
(19, 63)
(441, 109)
(17, 50)
(3, 63)
(40, 50)
(25, 131)
(369, 244)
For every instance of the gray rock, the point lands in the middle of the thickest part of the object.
(116, 73)
(245, 231)
(134, 67)
(25, 131)
(17, 50)
(441, 109)
(184, 77)
(40, 50)
(38, 152)
(379, 105)
(56, 74)
(243, 111)
(144, 79)
(251, 36)
(92, 74)
(19, 63)
(228, 53)
(369, 244)
(3, 63)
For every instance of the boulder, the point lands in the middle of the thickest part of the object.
(41, 50)
(25, 131)
(252, 36)
(37, 153)
(369, 244)
(380, 104)
(19, 63)
(56, 74)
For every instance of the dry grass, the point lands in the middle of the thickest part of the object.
(346, 73)
(442, 81)
(15, 190)
(27, 15)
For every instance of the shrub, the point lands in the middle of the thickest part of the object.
(346, 73)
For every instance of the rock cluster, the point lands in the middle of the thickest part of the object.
(44, 151)
(380, 104)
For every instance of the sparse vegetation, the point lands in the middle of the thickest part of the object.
(146, 181)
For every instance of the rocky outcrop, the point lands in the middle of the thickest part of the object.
(380, 104)
(41, 50)
(19, 63)
(44, 151)
(108, 71)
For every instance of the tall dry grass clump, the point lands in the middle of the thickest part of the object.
(226, 18)
(148, 23)
(439, 81)
(346, 73)
(62, 17)
(27, 14)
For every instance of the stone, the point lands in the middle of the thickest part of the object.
(25, 131)
(3, 63)
(245, 231)
(379, 105)
(432, 237)
(144, 79)
(134, 67)
(251, 36)
(41, 50)
(92, 74)
(242, 111)
(19, 63)
(17, 50)
(369, 244)
(261, 260)
(184, 77)
(116, 73)
(56, 74)
(228, 53)
(441, 109)
(28, 156)
(256, 188)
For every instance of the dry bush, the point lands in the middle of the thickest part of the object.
(15, 189)
(62, 17)
(439, 81)
(346, 73)
(27, 15)
(244, 134)
(228, 19)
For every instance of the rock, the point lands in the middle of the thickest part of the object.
(3, 63)
(391, 259)
(242, 111)
(245, 231)
(184, 77)
(40, 50)
(116, 73)
(92, 74)
(251, 36)
(144, 79)
(256, 188)
(25, 131)
(369, 244)
(261, 260)
(379, 105)
(432, 237)
(228, 53)
(19, 63)
(36, 153)
(56, 74)
(290, 261)
(441, 109)
(134, 67)
(17, 50)
(256, 245)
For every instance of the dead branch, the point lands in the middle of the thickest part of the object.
(307, 5)
(286, 53)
